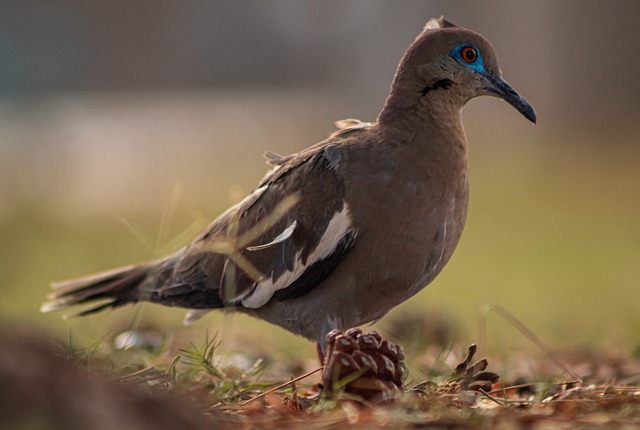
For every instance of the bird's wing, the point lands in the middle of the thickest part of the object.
(344, 127)
(278, 243)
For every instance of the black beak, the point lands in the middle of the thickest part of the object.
(504, 91)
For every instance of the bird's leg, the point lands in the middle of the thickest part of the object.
(325, 349)
(320, 352)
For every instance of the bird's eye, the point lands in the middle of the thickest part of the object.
(469, 54)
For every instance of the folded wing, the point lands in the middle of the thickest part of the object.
(279, 243)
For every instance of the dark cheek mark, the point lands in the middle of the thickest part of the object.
(442, 83)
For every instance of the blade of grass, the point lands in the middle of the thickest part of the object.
(522, 328)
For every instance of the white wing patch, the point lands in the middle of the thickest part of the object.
(286, 234)
(338, 227)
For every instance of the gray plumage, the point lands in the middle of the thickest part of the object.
(338, 234)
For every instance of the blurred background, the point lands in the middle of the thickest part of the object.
(126, 127)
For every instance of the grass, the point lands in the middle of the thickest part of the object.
(223, 389)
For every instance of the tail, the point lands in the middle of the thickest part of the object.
(109, 289)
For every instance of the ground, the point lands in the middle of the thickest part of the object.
(144, 379)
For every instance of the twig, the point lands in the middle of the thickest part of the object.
(531, 384)
(489, 396)
(630, 380)
(271, 390)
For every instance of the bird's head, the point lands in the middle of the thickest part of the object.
(449, 65)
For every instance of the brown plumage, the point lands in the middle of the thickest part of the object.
(338, 234)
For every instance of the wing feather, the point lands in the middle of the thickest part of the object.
(295, 220)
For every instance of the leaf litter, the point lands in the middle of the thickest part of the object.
(365, 382)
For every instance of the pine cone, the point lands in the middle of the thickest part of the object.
(473, 377)
(363, 365)
(466, 377)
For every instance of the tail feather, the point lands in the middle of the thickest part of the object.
(109, 289)
(110, 303)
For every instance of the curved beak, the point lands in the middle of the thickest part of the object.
(501, 89)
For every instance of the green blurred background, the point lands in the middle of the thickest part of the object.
(125, 129)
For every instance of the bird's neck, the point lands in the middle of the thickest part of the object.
(408, 107)
(432, 118)
(429, 125)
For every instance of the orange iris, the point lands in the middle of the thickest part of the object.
(469, 54)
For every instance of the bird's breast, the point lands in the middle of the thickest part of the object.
(410, 220)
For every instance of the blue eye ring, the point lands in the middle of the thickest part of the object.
(468, 55)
